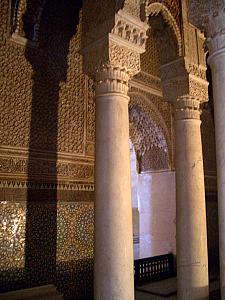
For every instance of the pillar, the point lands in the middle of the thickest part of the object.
(113, 256)
(192, 259)
(112, 42)
(216, 61)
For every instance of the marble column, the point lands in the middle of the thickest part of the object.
(216, 61)
(192, 259)
(113, 257)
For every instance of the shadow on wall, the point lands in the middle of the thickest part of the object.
(49, 62)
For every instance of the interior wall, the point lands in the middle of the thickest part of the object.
(134, 195)
(157, 213)
(46, 151)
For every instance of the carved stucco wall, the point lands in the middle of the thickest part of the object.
(150, 60)
(46, 155)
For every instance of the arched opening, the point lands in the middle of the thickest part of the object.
(152, 181)
(152, 136)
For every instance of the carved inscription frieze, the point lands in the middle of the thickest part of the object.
(45, 168)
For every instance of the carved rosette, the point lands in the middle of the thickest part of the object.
(115, 57)
(187, 107)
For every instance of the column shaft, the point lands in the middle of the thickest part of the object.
(192, 258)
(113, 212)
(112, 44)
(217, 63)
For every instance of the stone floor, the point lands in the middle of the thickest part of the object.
(166, 289)
(46, 292)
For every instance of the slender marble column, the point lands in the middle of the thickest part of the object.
(217, 64)
(192, 259)
(113, 265)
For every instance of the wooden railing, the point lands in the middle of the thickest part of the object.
(154, 268)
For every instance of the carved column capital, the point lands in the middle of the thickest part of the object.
(115, 44)
(182, 77)
(187, 107)
(111, 80)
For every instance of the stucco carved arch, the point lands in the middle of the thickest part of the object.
(149, 132)
(154, 9)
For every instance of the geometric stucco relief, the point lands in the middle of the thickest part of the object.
(45, 105)
(149, 134)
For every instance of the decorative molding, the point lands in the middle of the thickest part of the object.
(22, 152)
(130, 30)
(145, 80)
(187, 107)
(45, 169)
(90, 111)
(90, 149)
(110, 80)
(63, 186)
(139, 86)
